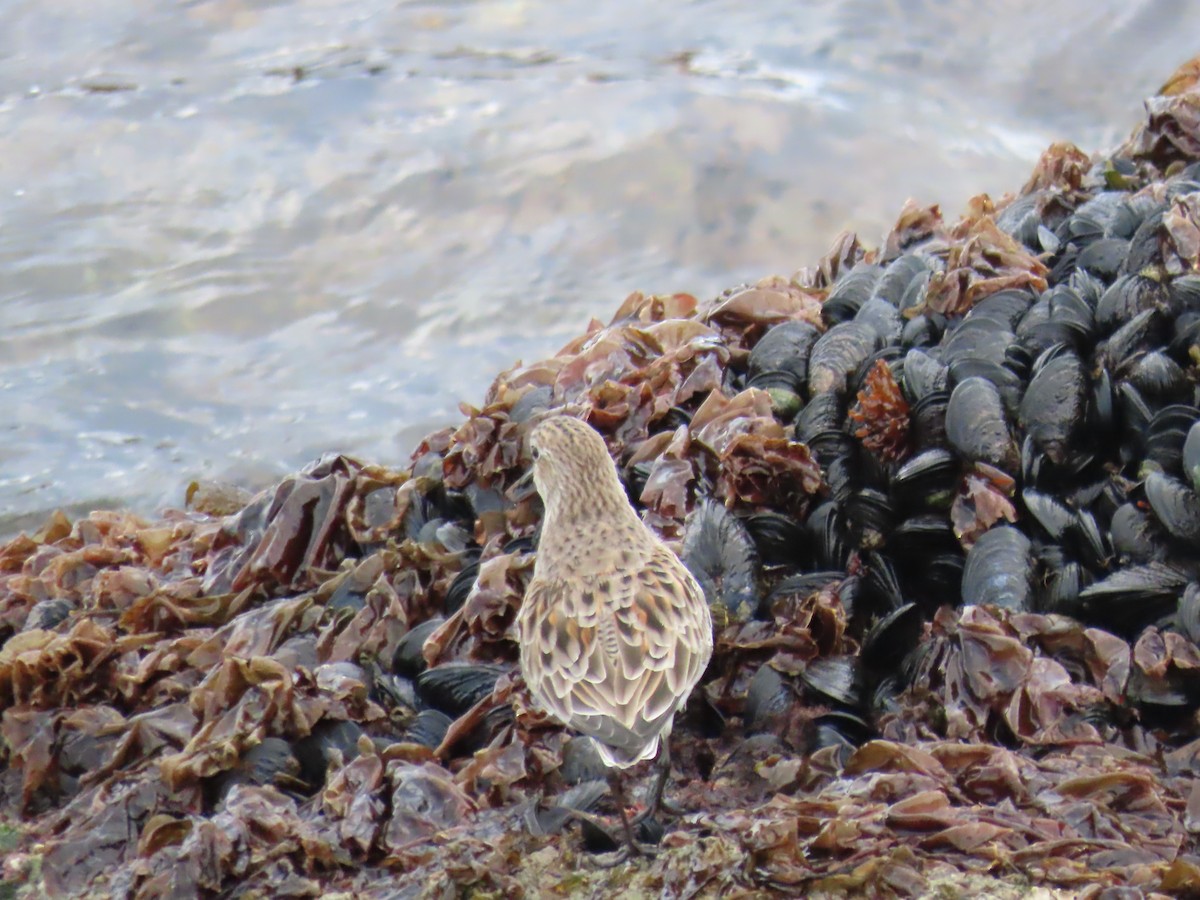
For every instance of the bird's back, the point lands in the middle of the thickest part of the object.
(614, 652)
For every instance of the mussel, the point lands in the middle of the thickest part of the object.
(999, 571)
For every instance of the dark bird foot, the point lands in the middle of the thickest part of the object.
(655, 801)
(665, 808)
(624, 853)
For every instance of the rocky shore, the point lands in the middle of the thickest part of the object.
(942, 495)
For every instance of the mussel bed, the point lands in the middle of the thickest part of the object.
(943, 496)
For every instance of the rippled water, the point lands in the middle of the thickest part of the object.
(237, 234)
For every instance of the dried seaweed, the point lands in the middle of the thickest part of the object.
(314, 690)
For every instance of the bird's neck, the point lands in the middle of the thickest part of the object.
(574, 528)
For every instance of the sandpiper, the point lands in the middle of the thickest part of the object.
(614, 631)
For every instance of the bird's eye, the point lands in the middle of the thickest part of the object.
(535, 453)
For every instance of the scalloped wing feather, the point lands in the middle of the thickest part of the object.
(615, 656)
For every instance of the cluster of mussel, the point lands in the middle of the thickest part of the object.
(1044, 454)
(1037, 452)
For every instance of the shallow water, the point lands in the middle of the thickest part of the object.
(235, 235)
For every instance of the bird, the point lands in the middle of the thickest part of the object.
(614, 631)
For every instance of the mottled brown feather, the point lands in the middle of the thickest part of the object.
(614, 632)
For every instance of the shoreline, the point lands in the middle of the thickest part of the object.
(168, 683)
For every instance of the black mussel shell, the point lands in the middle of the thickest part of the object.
(1187, 613)
(1053, 518)
(1004, 308)
(899, 274)
(428, 728)
(1031, 219)
(460, 587)
(521, 545)
(1175, 505)
(347, 598)
(1019, 361)
(929, 479)
(978, 339)
(779, 363)
(920, 331)
(977, 426)
(581, 761)
(922, 536)
(888, 640)
(999, 571)
(827, 537)
(675, 417)
(454, 687)
(484, 499)
(840, 474)
(835, 678)
(885, 698)
(1191, 456)
(1007, 383)
(843, 730)
(768, 699)
(1135, 415)
(1185, 338)
(533, 401)
(778, 537)
(1093, 219)
(718, 550)
(1103, 258)
(330, 741)
(1145, 331)
(1165, 436)
(1157, 377)
(869, 514)
(1133, 210)
(882, 318)
(1136, 535)
(409, 659)
(47, 614)
(1089, 542)
(1185, 292)
(880, 583)
(1162, 699)
(395, 693)
(938, 577)
(837, 355)
(635, 478)
(890, 355)
(852, 289)
(927, 420)
(269, 762)
(821, 426)
(800, 587)
(436, 514)
(597, 839)
(923, 375)
(915, 295)
(1062, 591)
(1132, 597)
(1020, 219)
(1060, 316)
(1103, 406)
(1145, 248)
(1053, 411)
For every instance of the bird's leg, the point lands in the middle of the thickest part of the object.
(631, 847)
(655, 800)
